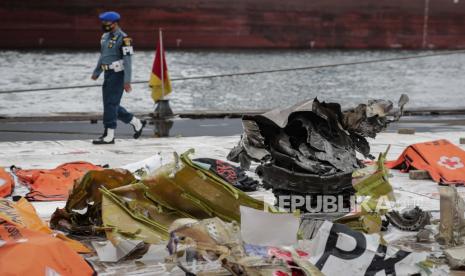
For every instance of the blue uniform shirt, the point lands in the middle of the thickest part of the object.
(115, 46)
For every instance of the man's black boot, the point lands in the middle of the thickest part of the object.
(108, 137)
(138, 126)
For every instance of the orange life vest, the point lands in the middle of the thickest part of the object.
(54, 184)
(6, 183)
(443, 160)
(28, 252)
(22, 213)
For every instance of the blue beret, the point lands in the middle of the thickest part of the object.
(109, 16)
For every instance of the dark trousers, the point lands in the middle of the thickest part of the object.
(112, 91)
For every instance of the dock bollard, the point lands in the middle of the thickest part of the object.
(163, 109)
(161, 119)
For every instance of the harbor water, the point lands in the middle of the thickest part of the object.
(430, 82)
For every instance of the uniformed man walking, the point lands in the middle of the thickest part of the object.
(115, 62)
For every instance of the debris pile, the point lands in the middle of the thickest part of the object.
(202, 216)
(121, 206)
(310, 149)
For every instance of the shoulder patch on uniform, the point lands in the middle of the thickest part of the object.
(127, 50)
(127, 41)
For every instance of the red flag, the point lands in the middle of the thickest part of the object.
(159, 88)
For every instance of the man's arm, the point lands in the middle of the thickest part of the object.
(98, 69)
(127, 51)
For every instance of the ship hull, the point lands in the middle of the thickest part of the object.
(361, 24)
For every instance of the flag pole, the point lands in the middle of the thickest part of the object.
(161, 64)
(163, 110)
